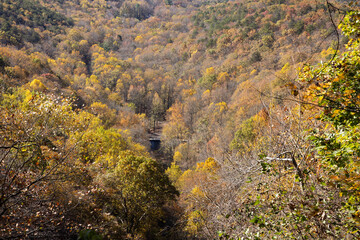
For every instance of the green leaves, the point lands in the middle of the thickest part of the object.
(337, 92)
(69, 160)
(137, 190)
(89, 235)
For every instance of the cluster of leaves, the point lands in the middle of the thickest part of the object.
(61, 171)
(136, 10)
(256, 23)
(337, 92)
(296, 169)
(28, 15)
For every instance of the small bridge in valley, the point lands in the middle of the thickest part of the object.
(155, 136)
(155, 141)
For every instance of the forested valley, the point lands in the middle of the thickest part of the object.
(255, 104)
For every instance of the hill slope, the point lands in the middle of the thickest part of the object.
(219, 73)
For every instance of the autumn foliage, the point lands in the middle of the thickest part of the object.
(257, 141)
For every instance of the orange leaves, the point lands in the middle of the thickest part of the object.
(175, 112)
(188, 92)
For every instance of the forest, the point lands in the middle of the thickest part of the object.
(256, 104)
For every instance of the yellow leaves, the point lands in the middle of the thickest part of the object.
(357, 219)
(139, 39)
(98, 105)
(188, 92)
(107, 146)
(222, 107)
(210, 71)
(335, 112)
(245, 85)
(115, 97)
(175, 112)
(97, 50)
(51, 61)
(348, 92)
(75, 34)
(106, 114)
(142, 116)
(173, 172)
(185, 180)
(99, 4)
(37, 85)
(314, 90)
(197, 192)
(312, 87)
(210, 166)
(253, 72)
(223, 77)
(84, 3)
(177, 157)
(194, 52)
(28, 96)
(138, 51)
(327, 52)
(285, 69)
(195, 221)
(176, 130)
(206, 93)
(126, 77)
(92, 80)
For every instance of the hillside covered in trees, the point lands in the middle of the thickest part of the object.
(257, 103)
